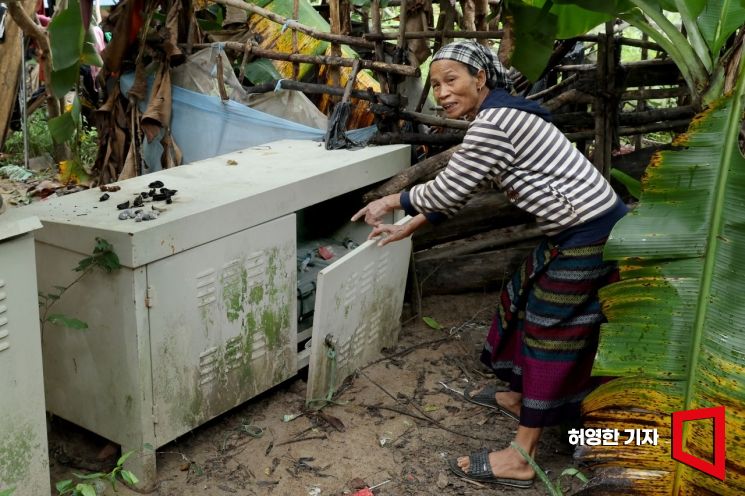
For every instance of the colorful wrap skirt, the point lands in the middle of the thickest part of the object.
(544, 336)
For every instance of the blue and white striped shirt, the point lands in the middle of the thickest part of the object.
(538, 169)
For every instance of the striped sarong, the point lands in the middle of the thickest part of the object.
(544, 336)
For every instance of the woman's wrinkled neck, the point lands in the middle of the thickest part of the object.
(482, 96)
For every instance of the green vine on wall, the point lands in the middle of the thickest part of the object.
(103, 258)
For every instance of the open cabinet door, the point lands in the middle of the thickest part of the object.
(357, 312)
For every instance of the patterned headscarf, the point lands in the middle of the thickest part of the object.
(478, 57)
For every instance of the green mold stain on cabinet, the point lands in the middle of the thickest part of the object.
(16, 450)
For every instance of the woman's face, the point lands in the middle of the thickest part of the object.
(458, 92)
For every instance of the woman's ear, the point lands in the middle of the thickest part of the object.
(480, 79)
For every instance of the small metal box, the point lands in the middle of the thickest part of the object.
(24, 463)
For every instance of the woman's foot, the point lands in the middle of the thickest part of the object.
(505, 464)
(510, 401)
(506, 402)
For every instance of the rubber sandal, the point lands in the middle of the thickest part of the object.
(479, 470)
(485, 398)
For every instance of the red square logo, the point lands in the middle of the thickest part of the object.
(715, 469)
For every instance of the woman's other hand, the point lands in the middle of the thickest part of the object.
(394, 232)
(374, 211)
(390, 232)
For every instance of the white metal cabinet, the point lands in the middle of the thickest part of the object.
(24, 463)
(202, 315)
(174, 343)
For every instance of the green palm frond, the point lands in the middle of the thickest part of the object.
(675, 335)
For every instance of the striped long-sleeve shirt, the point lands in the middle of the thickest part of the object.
(538, 169)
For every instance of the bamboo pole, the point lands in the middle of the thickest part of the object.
(432, 120)
(457, 138)
(404, 70)
(603, 109)
(335, 22)
(567, 97)
(417, 139)
(629, 66)
(585, 119)
(553, 89)
(629, 131)
(641, 105)
(390, 99)
(396, 3)
(498, 34)
(648, 116)
(482, 10)
(445, 21)
(624, 41)
(402, 49)
(379, 54)
(295, 15)
(412, 35)
(401, 38)
(651, 94)
(292, 24)
(350, 82)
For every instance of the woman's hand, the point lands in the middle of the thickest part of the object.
(374, 211)
(392, 232)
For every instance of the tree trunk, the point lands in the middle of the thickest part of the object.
(10, 70)
(487, 241)
(410, 175)
(478, 272)
(485, 211)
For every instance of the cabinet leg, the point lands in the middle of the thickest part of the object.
(142, 464)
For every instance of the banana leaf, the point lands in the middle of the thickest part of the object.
(675, 337)
(273, 37)
(718, 20)
(537, 23)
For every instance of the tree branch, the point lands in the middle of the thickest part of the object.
(27, 25)
(404, 70)
(292, 24)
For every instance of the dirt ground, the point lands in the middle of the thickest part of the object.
(394, 422)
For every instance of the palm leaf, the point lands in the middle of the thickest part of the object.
(675, 334)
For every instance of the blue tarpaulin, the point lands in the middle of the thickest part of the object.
(204, 126)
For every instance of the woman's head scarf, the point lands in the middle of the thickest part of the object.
(479, 57)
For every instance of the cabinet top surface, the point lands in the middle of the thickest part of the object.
(17, 226)
(219, 195)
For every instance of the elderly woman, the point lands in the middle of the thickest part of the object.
(544, 335)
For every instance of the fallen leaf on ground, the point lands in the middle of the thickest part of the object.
(45, 188)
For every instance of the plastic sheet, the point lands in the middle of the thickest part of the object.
(203, 126)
